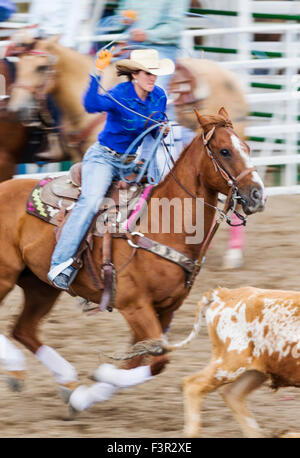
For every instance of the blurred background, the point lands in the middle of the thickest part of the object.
(256, 40)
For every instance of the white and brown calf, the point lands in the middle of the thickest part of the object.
(255, 335)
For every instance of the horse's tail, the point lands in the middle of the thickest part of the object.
(157, 347)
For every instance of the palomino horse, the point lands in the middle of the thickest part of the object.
(207, 85)
(149, 288)
(50, 68)
(20, 142)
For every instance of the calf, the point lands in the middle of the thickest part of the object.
(255, 336)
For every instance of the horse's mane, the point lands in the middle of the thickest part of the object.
(207, 123)
(177, 162)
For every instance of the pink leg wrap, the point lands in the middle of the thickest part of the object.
(236, 234)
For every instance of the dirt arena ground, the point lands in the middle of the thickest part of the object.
(155, 408)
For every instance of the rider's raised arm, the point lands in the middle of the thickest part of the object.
(94, 102)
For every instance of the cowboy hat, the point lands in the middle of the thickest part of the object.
(147, 60)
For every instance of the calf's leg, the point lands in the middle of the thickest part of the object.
(235, 395)
(195, 387)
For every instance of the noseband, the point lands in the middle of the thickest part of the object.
(231, 181)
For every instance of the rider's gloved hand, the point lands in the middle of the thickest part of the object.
(103, 59)
(129, 16)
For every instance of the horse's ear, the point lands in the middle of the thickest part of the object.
(222, 112)
(201, 119)
(55, 38)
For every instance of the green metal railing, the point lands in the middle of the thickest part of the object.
(205, 11)
(286, 17)
(218, 49)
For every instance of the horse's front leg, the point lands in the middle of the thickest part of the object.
(39, 300)
(145, 324)
(165, 318)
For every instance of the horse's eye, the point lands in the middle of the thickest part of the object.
(225, 152)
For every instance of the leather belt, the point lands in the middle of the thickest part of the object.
(114, 153)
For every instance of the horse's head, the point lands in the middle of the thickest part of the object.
(21, 42)
(229, 163)
(35, 73)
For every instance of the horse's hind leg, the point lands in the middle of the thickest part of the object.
(13, 363)
(39, 300)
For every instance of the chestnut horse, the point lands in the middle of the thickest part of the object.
(13, 135)
(149, 288)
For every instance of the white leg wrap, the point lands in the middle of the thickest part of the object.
(110, 379)
(61, 369)
(122, 378)
(10, 356)
(84, 397)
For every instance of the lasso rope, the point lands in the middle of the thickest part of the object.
(163, 125)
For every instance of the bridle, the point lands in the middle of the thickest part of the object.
(231, 181)
(219, 167)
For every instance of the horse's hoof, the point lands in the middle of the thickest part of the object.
(233, 259)
(65, 394)
(79, 400)
(65, 391)
(16, 380)
(15, 384)
(72, 412)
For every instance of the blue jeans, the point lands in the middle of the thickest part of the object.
(99, 169)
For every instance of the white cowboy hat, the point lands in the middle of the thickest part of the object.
(147, 60)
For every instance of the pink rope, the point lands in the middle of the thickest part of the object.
(141, 202)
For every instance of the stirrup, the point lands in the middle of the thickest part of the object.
(64, 279)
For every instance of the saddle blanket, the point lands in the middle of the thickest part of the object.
(53, 198)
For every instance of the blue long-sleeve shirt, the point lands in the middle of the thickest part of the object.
(122, 127)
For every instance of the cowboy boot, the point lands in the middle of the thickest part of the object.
(55, 152)
(64, 279)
